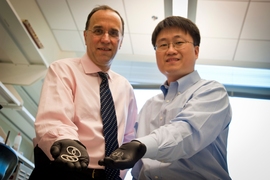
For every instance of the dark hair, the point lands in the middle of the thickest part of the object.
(177, 21)
(103, 7)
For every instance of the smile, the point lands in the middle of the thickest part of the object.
(172, 59)
(104, 49)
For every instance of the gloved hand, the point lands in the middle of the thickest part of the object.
(125, 156)
(70, 153)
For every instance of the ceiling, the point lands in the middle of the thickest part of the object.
(235, 41)
(234, 33)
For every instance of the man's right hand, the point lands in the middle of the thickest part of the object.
(71, 153)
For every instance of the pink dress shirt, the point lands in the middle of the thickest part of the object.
(69, 107)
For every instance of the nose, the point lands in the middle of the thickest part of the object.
(105, 36)
(171, 47)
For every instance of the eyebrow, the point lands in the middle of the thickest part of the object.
(101, 27)
(97, 27)
(165, 39)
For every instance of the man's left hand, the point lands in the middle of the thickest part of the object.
(125, 156)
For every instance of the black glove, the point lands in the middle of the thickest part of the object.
(70, 153)
(125, 156)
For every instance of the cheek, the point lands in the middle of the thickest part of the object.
(92, 41)
(160, 62)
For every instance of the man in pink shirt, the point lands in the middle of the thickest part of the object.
(69, 108)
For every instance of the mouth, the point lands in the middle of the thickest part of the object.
(172, 59)
(104, 49)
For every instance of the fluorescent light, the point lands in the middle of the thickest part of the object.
(180, 8)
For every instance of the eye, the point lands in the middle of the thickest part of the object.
(179, 43)
(98, 31)
(114, 33)
(163, 45)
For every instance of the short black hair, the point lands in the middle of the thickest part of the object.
(177, 21)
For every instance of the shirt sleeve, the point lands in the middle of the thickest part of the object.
(202, 118)
(56, 109)
(131, 118)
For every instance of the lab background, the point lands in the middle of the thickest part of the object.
(235, 50)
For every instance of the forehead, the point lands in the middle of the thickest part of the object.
(171, 33)
(106, 19)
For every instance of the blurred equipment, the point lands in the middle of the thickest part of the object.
(8, 161)
(22, 172)
(17, 142)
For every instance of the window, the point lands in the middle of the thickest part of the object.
(248, 141)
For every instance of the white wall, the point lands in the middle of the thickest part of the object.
(248, 143)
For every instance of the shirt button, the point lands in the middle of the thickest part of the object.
(167, 101)
(178, 93)
(156, 177)
(160, 118)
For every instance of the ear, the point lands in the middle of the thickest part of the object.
(121, 41)
(85, 36)
(196, 51)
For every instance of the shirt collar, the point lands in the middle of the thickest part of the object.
(183, 83)
(187, 81)
(91, 68)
